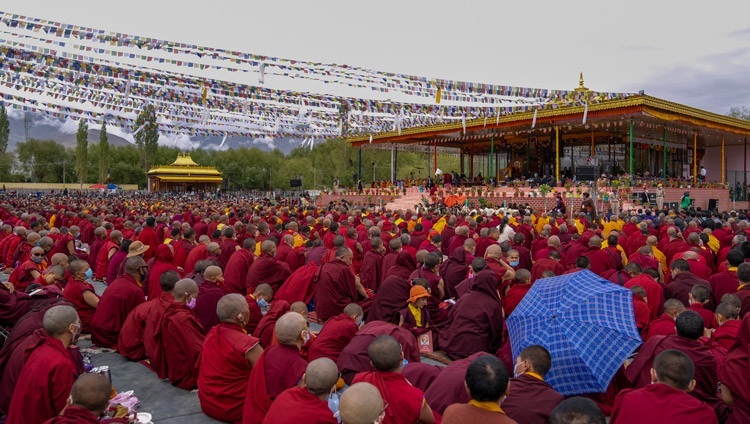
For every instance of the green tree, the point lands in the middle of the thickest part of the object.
(42, 160)
(741, 112)
(4, 129)
(103, 152)
(147, 138)
(82, 151)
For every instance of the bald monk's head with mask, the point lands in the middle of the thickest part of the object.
(320, 377)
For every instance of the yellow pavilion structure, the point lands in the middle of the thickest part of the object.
(183, 175)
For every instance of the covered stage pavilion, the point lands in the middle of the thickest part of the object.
(640, 135)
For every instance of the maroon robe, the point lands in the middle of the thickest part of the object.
(266, 269)
(130, 340)
(386, 264)
(228, 248)
(120, 298)
(149, 238)
(734, 373)
(476, 321)
(12, 358)
(725, 282)
(224, 372)
(654, 293)
(235, 272)
(44, 384)
(514, 296)
(162, 264)
(299, 286)
(354, 359)
(530, 400)
(266, 329)
(73, 292)
(660, 403)
(404, 400)
(370, 273)
(726, 333)
(178, 343)
(114, 264)
(546, 264)
(209, 294)
(298, 405)
(601, 261)
(94, 250)
(198, 253)
(279, 367)
(454, 270)
(333, 338)
(638, 372)
(334, 289)
(664, 325)
(681, 285)
(421, 375)
(448, 388)
(74, 415)
(438, 315)
(394, 292)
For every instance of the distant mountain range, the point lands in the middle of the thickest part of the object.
(64, 132)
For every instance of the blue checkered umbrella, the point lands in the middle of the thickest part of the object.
(587, 324)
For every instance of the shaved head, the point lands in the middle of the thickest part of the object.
(493, 251)
(212, 272)
(267, 246)
(299, 307)
(385, 354)
(320, 376)
(361, 403)
(289, 327)
(57, 319)
(230, 306)
(264, 290)
(353, 309)
(183, 288)
(91, 391)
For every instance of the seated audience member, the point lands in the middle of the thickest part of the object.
(577, 410)
(516, 292)
(227, 357)
(405, 402)
(48, 374)
(279, 367)
(487, 384)
(664, 325)
(449, 386)
(415, 316)
(530, 399)
(337, 333)
(667, 400)
(81, 293)
(309, 402)
(727, 319)
(699, 297)
(88, 398)
(361, 403)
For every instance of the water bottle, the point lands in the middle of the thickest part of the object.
(87, 365)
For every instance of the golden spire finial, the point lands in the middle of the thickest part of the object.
(580, 80)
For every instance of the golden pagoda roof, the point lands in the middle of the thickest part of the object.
(632, 106)
(184, 166)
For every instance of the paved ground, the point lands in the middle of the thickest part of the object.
(166, 403)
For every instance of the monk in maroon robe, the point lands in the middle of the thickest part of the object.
(728, 326)
(280, 367)
(179, 339)
(163, 262)
(337, 333)
(308, 403)
(120, 298)
(136, 339)
(337, 286)
(235, 272)
(353, 359)
(476, 321)
(664, 324)
(266, 269)
(210, 290)
(393, 293)
(197, 253)
(226, 360)
(448, 387)
(689, 330)
(727, 281)
(370, 273)
(299, 286)
(455, 269)
(48, 372)
(734, 375)
(530, 399)
(666, 401)
(601, 260)
(228, 246)
(682, 283)
(89, 397)
(654, 292)
(430, 272)
(405, 402)
(265, 331)
(81, 293)
(551, 263)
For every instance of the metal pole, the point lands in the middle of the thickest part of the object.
(630, 139)
(434, 145)
(492, 154)
(723, 162)
(557, 154)
(359, 164)
(393, 162)
(63, 173)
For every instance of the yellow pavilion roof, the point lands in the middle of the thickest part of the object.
(184, 166)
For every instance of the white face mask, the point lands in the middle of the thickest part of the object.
(515, 373)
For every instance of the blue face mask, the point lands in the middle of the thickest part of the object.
(333, 405)
(262, 303)
(514, 263)
(89, 273)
